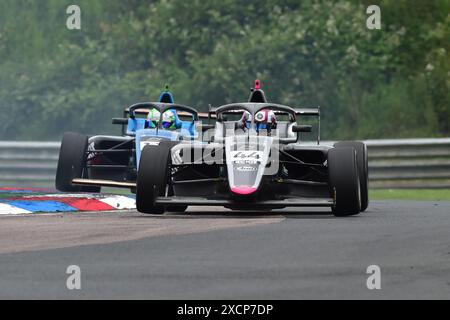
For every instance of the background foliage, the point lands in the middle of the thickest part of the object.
(370, 84)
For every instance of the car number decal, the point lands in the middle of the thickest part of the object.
(243, 155)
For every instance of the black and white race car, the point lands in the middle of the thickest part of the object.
(254, 161)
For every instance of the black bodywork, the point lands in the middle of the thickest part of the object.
(301, 178)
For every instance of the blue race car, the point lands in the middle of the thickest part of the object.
(88, 163)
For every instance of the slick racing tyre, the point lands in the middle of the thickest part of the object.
(363, 168)
(344, 182)
(72, 163)
(153, 175)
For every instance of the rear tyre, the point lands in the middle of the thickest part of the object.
(152, 177)
(344, 181)
(363, 168)
(72, 163)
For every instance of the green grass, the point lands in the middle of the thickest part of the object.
(410, 194)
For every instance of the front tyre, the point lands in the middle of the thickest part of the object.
(344, 181)
(363, 168)
(153, 175)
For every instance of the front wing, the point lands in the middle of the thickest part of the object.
(200, 201)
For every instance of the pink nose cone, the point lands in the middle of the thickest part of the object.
(243, 190)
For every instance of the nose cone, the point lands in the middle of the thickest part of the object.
(243, 190)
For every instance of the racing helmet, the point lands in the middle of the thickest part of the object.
(168, 120)
(153, 118)
(263, 116)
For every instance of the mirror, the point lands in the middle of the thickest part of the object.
(122, 121)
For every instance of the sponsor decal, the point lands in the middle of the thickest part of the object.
(150, 143)
(91, 149)
(246, 162)
(246, 169)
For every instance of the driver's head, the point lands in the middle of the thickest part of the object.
(264, 119)
(153, 117)
(261, 117)
(168, 120)
(264, 116)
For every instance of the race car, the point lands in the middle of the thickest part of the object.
(88, 163)
(255, 161)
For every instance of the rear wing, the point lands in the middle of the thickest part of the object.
(311, 112)
(314, 112)
(212, 113)
(298, 111)
(145, 111)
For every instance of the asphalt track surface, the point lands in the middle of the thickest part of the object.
(211, 253)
